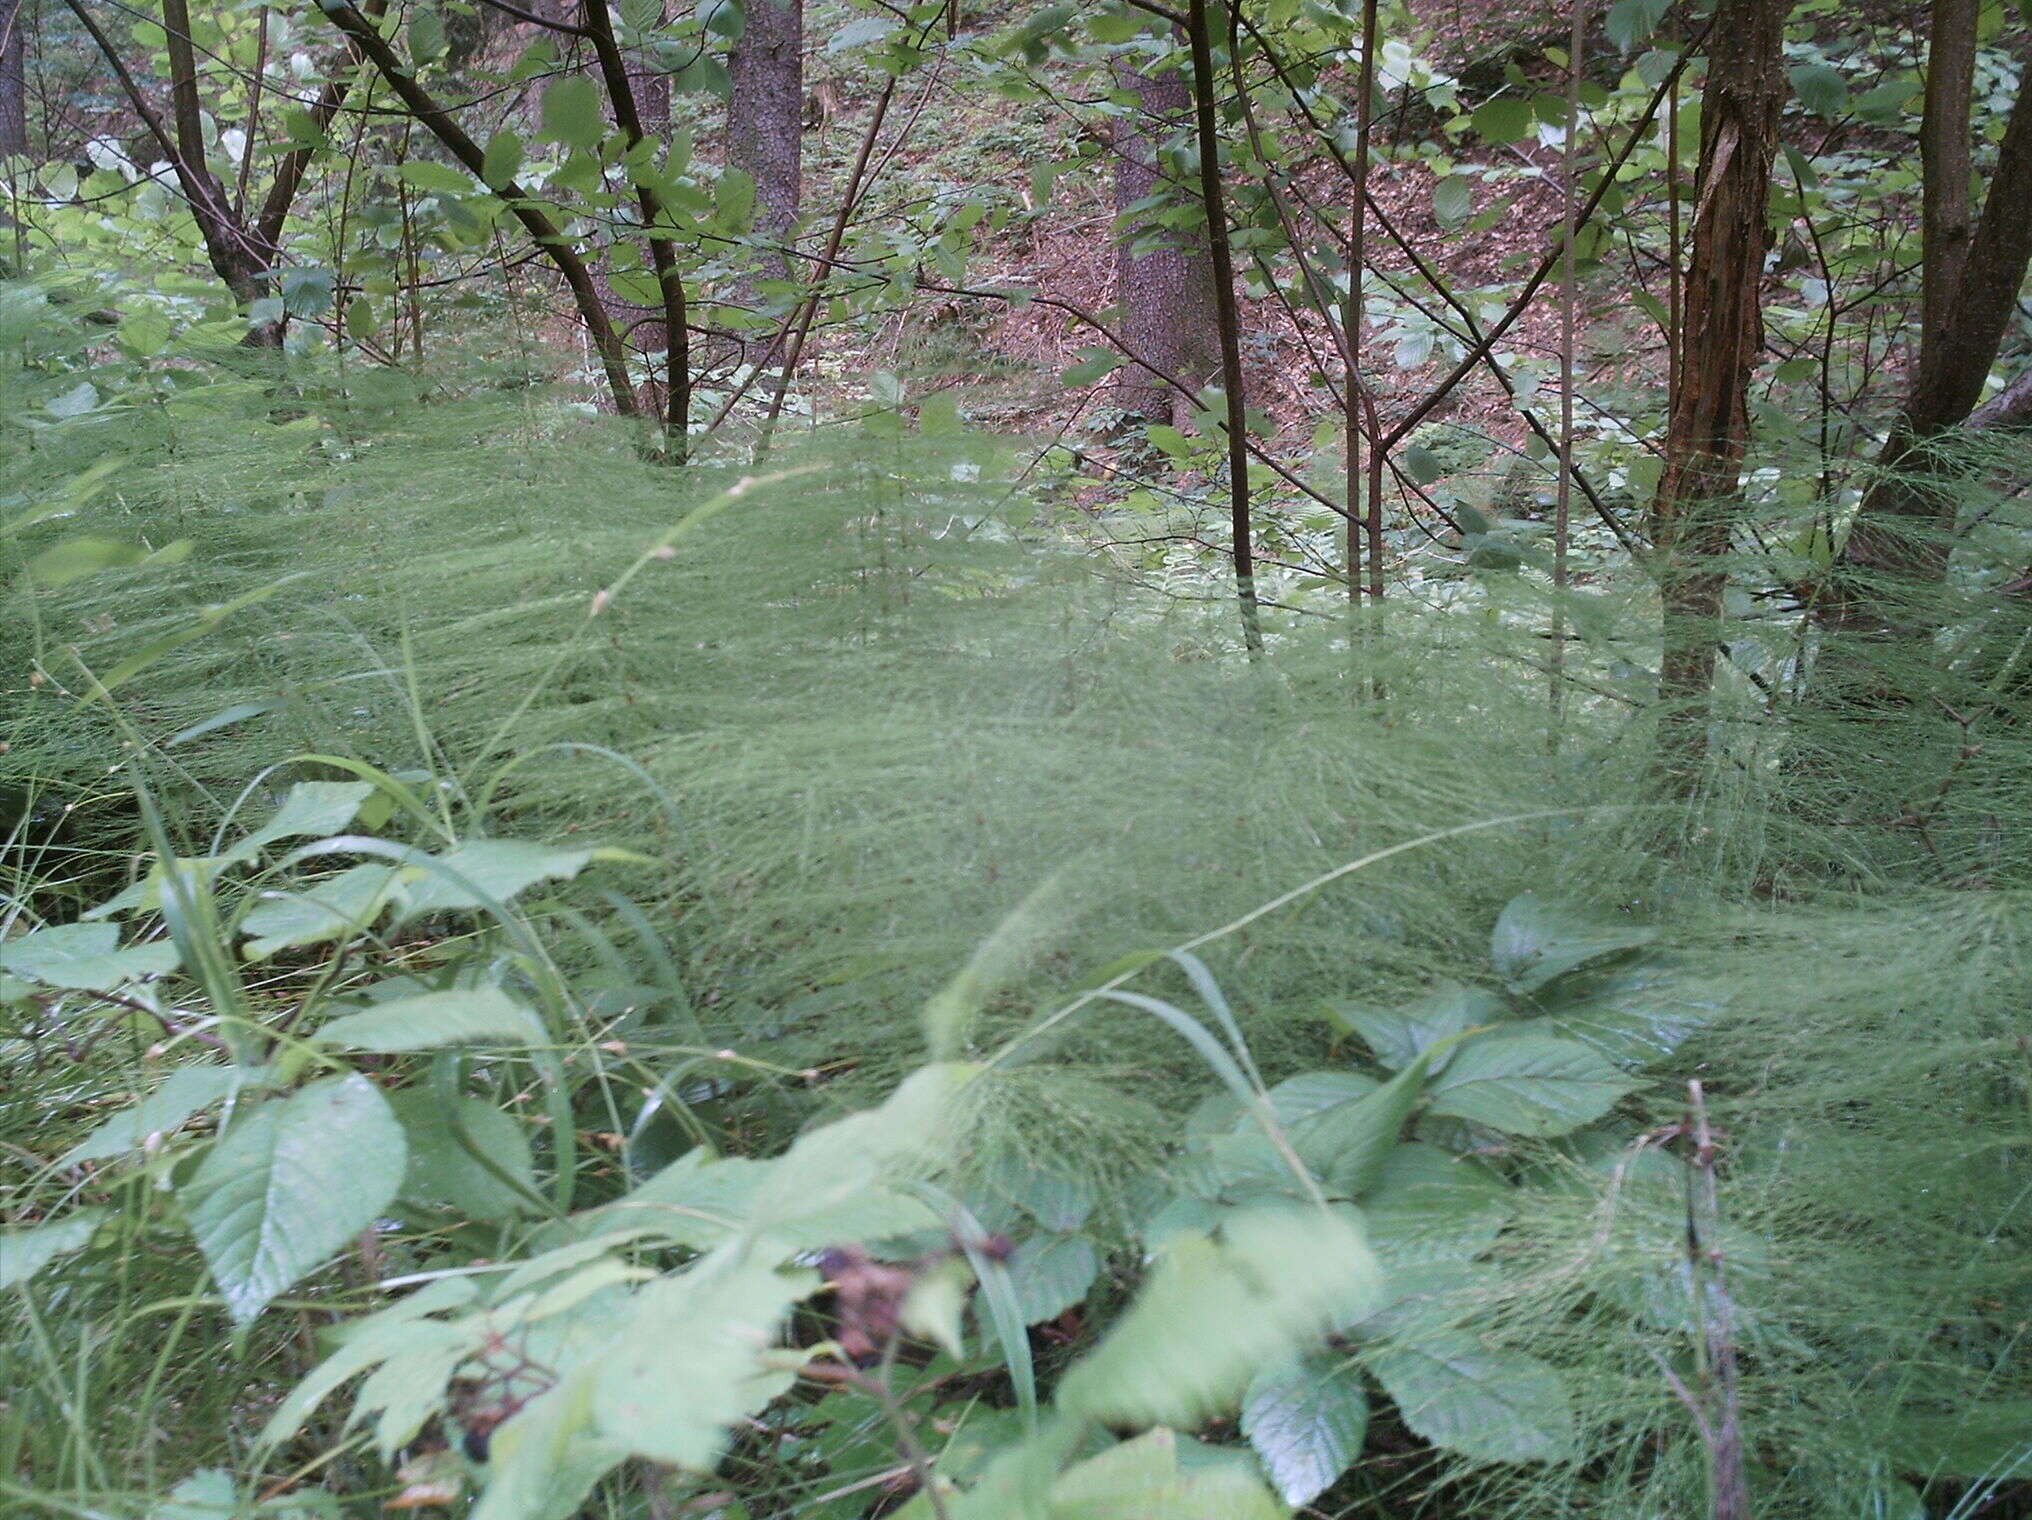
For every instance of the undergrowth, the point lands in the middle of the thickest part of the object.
(867, 710)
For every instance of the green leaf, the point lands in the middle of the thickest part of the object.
(498, 868)
(365, 1343)
(1095, 364)
(1821, 89)
(311, 810)
(862, 31)
(1052, 1273)
(1398, 1036)
(207, 1494)
(84, 956)
(725, 18)
(571, 112)
(503, 160)
(289, 1184)
(187, 1091)
(1182, 1354)
(1162, 1476)
(433, 1020)
(1528, 1083)
(1536, 940)
(817, 1190)
(1307, 1422)
(1634, 1016)
(1346, 1145)
(426, 35)
(336, 908)
(1453, 202)
(1632, 23)
(435, 178)
(1506, 119)
(1428, 1206)
(25, 1252)
(445, 1145)
(1493, 1406)
(1311, 1092)
(678, 1408)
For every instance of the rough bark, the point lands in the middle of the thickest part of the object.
(13, 80)
(1167, 293)
(1699, 497)
(1895, 557)
(1946, 219)
(765, 118)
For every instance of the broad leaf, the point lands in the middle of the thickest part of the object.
(311, 810)
(1528, 1083)
(1536, 940)
(571, 112)
(1398, 1036)
(433, 1020)
(1162, 1475)
(335, 908)
(1186, 1351)
(1345, 1146)
(289, 1184)
(186, 1091)
(85, 956)
(1634, 1016)
(678, 1407)
(25, 1252)
(446, 1144)
(1307, 1422)
(1494, 1406)
(1051, 1273)
(499, 868)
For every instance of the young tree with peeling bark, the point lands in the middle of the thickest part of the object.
(1699, 499)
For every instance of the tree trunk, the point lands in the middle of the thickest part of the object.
(13, 80)
(765, 118)
(1886, 582)
(1698, 501)
(1170, 316)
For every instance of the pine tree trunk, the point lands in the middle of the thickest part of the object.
(1699, 499)
(765, 118)
(1170, 315)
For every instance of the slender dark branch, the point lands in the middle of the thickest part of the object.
(544, 232)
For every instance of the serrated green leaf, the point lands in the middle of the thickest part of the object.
(433, 1020)
(1398, 1036)
(1052, 1273)
(1307, 1422)
(1506, 119)
(1493, 1406)
(289, 1184)
(335, 908)
(1300, 1271)
(1095, 364)
(1537, 939)
(445, 1144)
(726, 1315)
(498, 868)
(1821, 89)
(503, 159)
(1453, 201)
(310, 810)
(571, 112)
(436, 178)
(1528, 1082)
